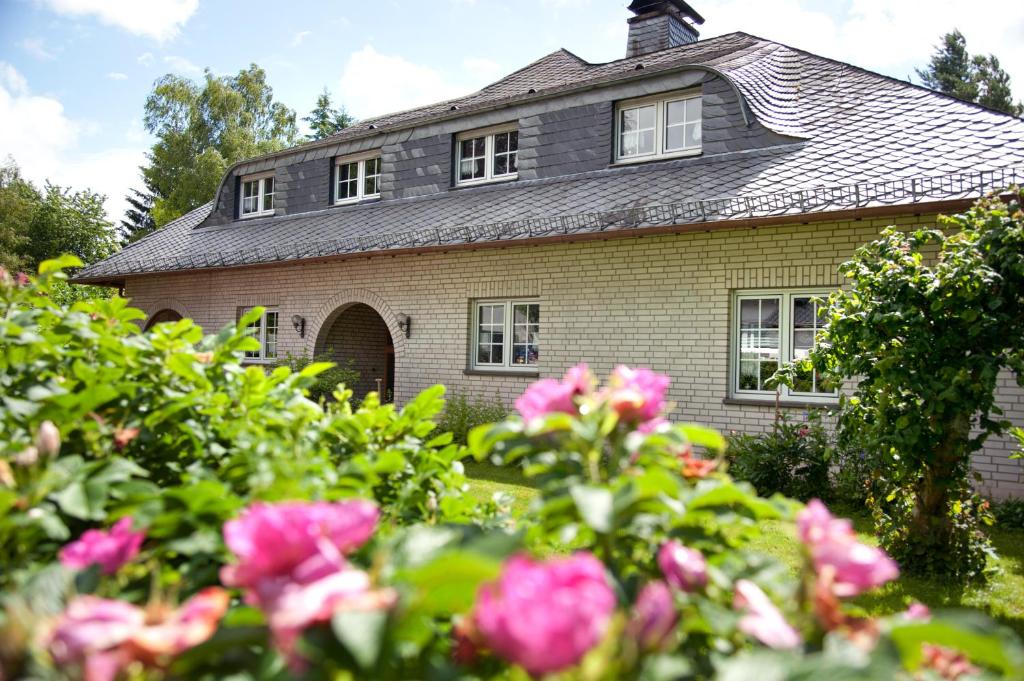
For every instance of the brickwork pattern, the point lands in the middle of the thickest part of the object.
(661, 302)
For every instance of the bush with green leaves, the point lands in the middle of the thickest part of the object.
(929, 321)
(328, 380)
(461, 415)
(166, 512)
(1009, 513)
(792, 459)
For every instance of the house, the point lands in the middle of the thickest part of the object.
(678, 209)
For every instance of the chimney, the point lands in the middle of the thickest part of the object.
(659, 25)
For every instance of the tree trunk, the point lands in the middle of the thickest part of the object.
(931, 523)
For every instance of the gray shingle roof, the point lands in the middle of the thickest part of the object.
(865, 140)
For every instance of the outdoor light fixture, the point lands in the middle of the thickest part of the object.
(405, 323)
(299, 322)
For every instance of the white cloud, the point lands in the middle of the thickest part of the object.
(373, 83)
(43, 141)
(892, 37)
(299, 37)
(37, 48)
(145, 59)
(157, 19)
(182, 65)
(115, 75)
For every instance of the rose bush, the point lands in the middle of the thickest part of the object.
(204, 520)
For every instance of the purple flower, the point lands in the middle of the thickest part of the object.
(762, 620)
(110, 549)
(545, 616)
(654, 616)
(549, 396)
(637, 395)
(684, 568)
(854, 567)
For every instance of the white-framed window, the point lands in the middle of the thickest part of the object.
(506, 334)
(772, 328)
(264, 330)
(487, 155)
(664, 126)
(257, 196)
(357, 178)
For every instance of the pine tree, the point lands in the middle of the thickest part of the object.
(138, 220)
(979, 79)
(324, 120)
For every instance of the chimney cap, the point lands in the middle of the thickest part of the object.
(641, 6)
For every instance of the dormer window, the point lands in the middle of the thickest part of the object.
(487, 155)
(665, 126)
(257, 196)
(357, 178)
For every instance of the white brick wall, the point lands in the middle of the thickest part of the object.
(660, 301)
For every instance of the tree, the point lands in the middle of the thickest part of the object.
(40, 225)
(979, 79)
(202, 129)
(138, 219)
(931, 319)
(324, 120)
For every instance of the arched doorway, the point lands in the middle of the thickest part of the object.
(164, 315)
(358, 338)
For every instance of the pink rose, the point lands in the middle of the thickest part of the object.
(545, 616)
(654, 616)
(637, 395)
(917, 611)
(292, 564)
(549, 396)
(684, 568)
(763, 620)
(833, 545)
(110, 549)
(105, 636)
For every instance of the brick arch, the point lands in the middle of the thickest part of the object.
(343, 300)
(172, 304)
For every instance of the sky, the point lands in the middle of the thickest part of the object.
(74, 74)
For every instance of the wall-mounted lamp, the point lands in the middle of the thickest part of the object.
(299, 322)
(405, 324)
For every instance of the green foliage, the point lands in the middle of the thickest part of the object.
(325, 382)
(980, 79)
(138, 218)
(325, 120)
(1009, 513)
(204, 128)
(793, 459)
(39, 225)
(928, 323)
(462, 415)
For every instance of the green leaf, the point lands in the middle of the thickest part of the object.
(968, 632)
(362, 633)
(448, 584)
(595, 505)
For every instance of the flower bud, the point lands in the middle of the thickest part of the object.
(27, 457)
(48, 439)
(684, 568)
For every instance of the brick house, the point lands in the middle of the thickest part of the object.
(676, 209)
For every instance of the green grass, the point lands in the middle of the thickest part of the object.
(1002, 596)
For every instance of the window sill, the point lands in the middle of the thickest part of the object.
(251, 216)
(483, 183)
(783, 404)
(518, 373)
(356, 202)
(656, 157)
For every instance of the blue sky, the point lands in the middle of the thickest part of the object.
(74, 74)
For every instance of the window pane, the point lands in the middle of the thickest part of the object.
(513, 140)
(628, 144)
(490, 334)
(270, 344)
(501, 165)
(646, 143)
(268, 194)
(630, 120)
(501, 143)
(693, 109)
(525, 333)
(758, 342)
(675, 112)
(478, 168)
(674, 138)
(647, 116)
(254, 331)
(693, 135)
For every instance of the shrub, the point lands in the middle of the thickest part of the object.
(1009, 513)
(327, 381)
(461, 416)
(793, 459)
(167, 513)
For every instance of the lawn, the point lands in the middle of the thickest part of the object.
(1002, 597)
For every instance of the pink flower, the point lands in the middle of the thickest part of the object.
(763, 620)
(292, 563)
(833, 545)
(110, 549)
(917, 612)
(684, 568)
(549, 396)
(545, 616)
(637, 395)
(104, 636)
(654, 616)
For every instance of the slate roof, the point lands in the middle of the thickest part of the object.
(860, 139)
